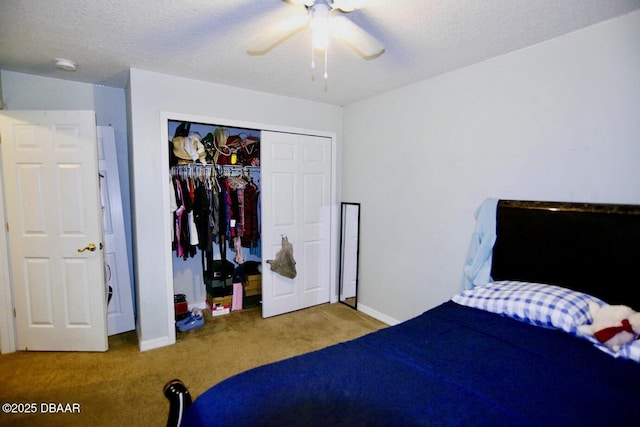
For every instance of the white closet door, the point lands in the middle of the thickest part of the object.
(296, 203)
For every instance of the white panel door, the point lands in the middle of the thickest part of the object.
(296, 202)
(118, 285)
(50, 169)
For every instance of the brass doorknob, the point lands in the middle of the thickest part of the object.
(90, 247)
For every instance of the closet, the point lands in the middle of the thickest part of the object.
(215, 205)
(292, 175)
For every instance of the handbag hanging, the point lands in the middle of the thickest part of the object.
(284, 264)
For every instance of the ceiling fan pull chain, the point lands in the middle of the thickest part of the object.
(326, 74)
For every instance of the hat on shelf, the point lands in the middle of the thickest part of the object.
(189, 148)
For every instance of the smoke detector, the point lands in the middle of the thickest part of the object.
(66, 64)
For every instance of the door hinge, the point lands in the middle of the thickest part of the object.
(14, 313)
(7, 226)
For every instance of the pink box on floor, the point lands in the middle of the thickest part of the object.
(236, 302)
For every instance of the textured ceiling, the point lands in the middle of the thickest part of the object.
(207, 40)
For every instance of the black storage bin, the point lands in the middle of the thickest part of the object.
(219, 288)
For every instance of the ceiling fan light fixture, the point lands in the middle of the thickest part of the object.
(320, 39)
(319, 25)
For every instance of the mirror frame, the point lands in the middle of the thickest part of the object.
(343, 224)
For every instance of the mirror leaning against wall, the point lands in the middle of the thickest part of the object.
(349, 251)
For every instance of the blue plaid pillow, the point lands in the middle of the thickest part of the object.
(630, 350)
(539, 304)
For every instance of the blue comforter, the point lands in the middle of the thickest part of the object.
(450, 366)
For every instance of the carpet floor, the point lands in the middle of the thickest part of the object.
(124, 386)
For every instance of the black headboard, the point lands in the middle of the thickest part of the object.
(593, 248)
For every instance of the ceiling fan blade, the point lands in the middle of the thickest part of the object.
(359, 40)
(302, 2)
(276, 34)
(348, 5)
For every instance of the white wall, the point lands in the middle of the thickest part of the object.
(557, 121)
(151, 96)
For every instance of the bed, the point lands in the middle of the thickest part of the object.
(457, 364)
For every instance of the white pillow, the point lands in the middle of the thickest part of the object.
(538, 304)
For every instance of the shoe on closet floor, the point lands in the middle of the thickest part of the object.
(192, 322)
(194, 315)
(184, 320)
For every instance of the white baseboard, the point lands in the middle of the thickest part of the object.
(155, 343)
(377, 315)
(361, 307)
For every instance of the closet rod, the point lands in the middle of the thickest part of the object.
(189, 168)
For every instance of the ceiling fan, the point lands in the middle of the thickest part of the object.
(326, 20)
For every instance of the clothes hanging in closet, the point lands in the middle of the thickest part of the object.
(183, 215)
(251, 231)
(214, 208)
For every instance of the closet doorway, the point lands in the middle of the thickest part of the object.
(292, 173)
(215, 189)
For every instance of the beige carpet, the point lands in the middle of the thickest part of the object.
(125, 387)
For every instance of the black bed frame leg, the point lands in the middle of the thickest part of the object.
(179, 401)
